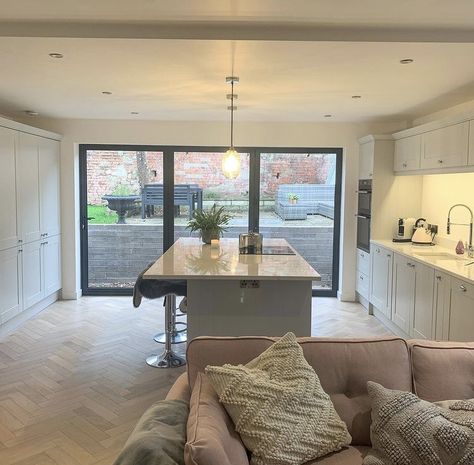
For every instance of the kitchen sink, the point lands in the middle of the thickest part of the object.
(442, 256)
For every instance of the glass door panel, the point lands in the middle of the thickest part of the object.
(199, 184)
(297, 203)
(124, 220)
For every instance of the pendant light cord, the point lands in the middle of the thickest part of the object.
(232, 115)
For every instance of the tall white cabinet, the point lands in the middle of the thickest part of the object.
(30, 268)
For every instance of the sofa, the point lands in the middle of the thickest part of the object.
(313, 199)
(433, 370)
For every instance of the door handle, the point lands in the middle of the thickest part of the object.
(462, 288)
(90, 218)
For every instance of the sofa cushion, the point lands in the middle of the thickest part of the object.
(343, 366)
(211, 436)
(408, 430)
(158, 437)
(279, 407)
(442, 370)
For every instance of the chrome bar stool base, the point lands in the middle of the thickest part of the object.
(166, 360)
(178, 337)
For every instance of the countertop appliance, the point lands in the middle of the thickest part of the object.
(363, 214)
(404, 231)
(250, 243)
(424, 232)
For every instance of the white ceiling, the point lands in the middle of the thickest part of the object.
(185, 80)
(437, 13)
(298, 60)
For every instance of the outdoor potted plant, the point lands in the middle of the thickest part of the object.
(293, 198)
(210, 224)
(121, 200)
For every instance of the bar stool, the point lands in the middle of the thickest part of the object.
(154, 289)
(179, 336)
(168, 358)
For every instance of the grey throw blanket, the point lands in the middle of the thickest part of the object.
(156, 288)
(159, 437)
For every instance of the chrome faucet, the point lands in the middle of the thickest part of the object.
(470, 248)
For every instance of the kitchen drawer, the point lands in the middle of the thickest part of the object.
(363, 262)
(362, 285)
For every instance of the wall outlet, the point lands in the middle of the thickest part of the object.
(249, 284)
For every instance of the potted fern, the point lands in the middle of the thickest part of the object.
(210, 224)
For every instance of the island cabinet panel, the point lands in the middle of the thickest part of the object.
(407, 155)
(446, 147)
(381, 280)
(424, 318)
(403, 304)
(461, 311)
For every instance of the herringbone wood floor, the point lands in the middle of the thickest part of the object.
(73, 381)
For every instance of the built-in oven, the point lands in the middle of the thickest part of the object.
(364, 207)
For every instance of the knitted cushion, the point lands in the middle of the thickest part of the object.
(409, 431)
(279, 407)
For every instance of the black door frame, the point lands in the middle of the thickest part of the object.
(168, 207)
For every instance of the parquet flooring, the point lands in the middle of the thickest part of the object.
(73, 381)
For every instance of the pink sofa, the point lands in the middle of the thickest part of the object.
(433, 370)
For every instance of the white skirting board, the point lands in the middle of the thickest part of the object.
(24, 316)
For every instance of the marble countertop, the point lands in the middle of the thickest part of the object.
(438, 257)
(189, 258)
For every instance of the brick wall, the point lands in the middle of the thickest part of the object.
(108, 169)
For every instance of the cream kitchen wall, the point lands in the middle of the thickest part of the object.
(75, 132)
(439, 193)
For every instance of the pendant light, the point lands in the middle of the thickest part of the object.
(231, 159)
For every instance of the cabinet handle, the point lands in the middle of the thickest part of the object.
(389, 256)
(408, 264)
(20, 250)
(438, 278)
(20, 241)
(361, 278)
(404, 165)
(371, 174)
(462, 288)
(440, 162)
(44, 243)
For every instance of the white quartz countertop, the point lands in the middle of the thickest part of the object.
(189, 258)
(438, 257)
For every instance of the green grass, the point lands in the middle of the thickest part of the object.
(101, 214)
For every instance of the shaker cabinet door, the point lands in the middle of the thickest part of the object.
(461, 312)
(8, 204)
(381, 280)
(403, 292)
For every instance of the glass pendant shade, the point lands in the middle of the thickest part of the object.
(231, 164)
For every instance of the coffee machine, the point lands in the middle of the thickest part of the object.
(404, 230)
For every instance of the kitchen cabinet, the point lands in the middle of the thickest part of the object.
(27, 163)
(49, 189)
(471, 143)
(366, 160)
(381, 280)
(446, 147)
(363, 273)
(460, 324)
(10, 284)
(51, 265)
(407, 155)
(32, 279)
(442, 294)
(424, 318)
(8, 205)
(403, 303)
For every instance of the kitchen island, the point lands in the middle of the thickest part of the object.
(240, 295)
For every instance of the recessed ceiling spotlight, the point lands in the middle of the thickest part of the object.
(134, 113)
(56, 55)
(31, 113)
(106, 92)
(328, 116)
(356, 96)
(406, 61)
